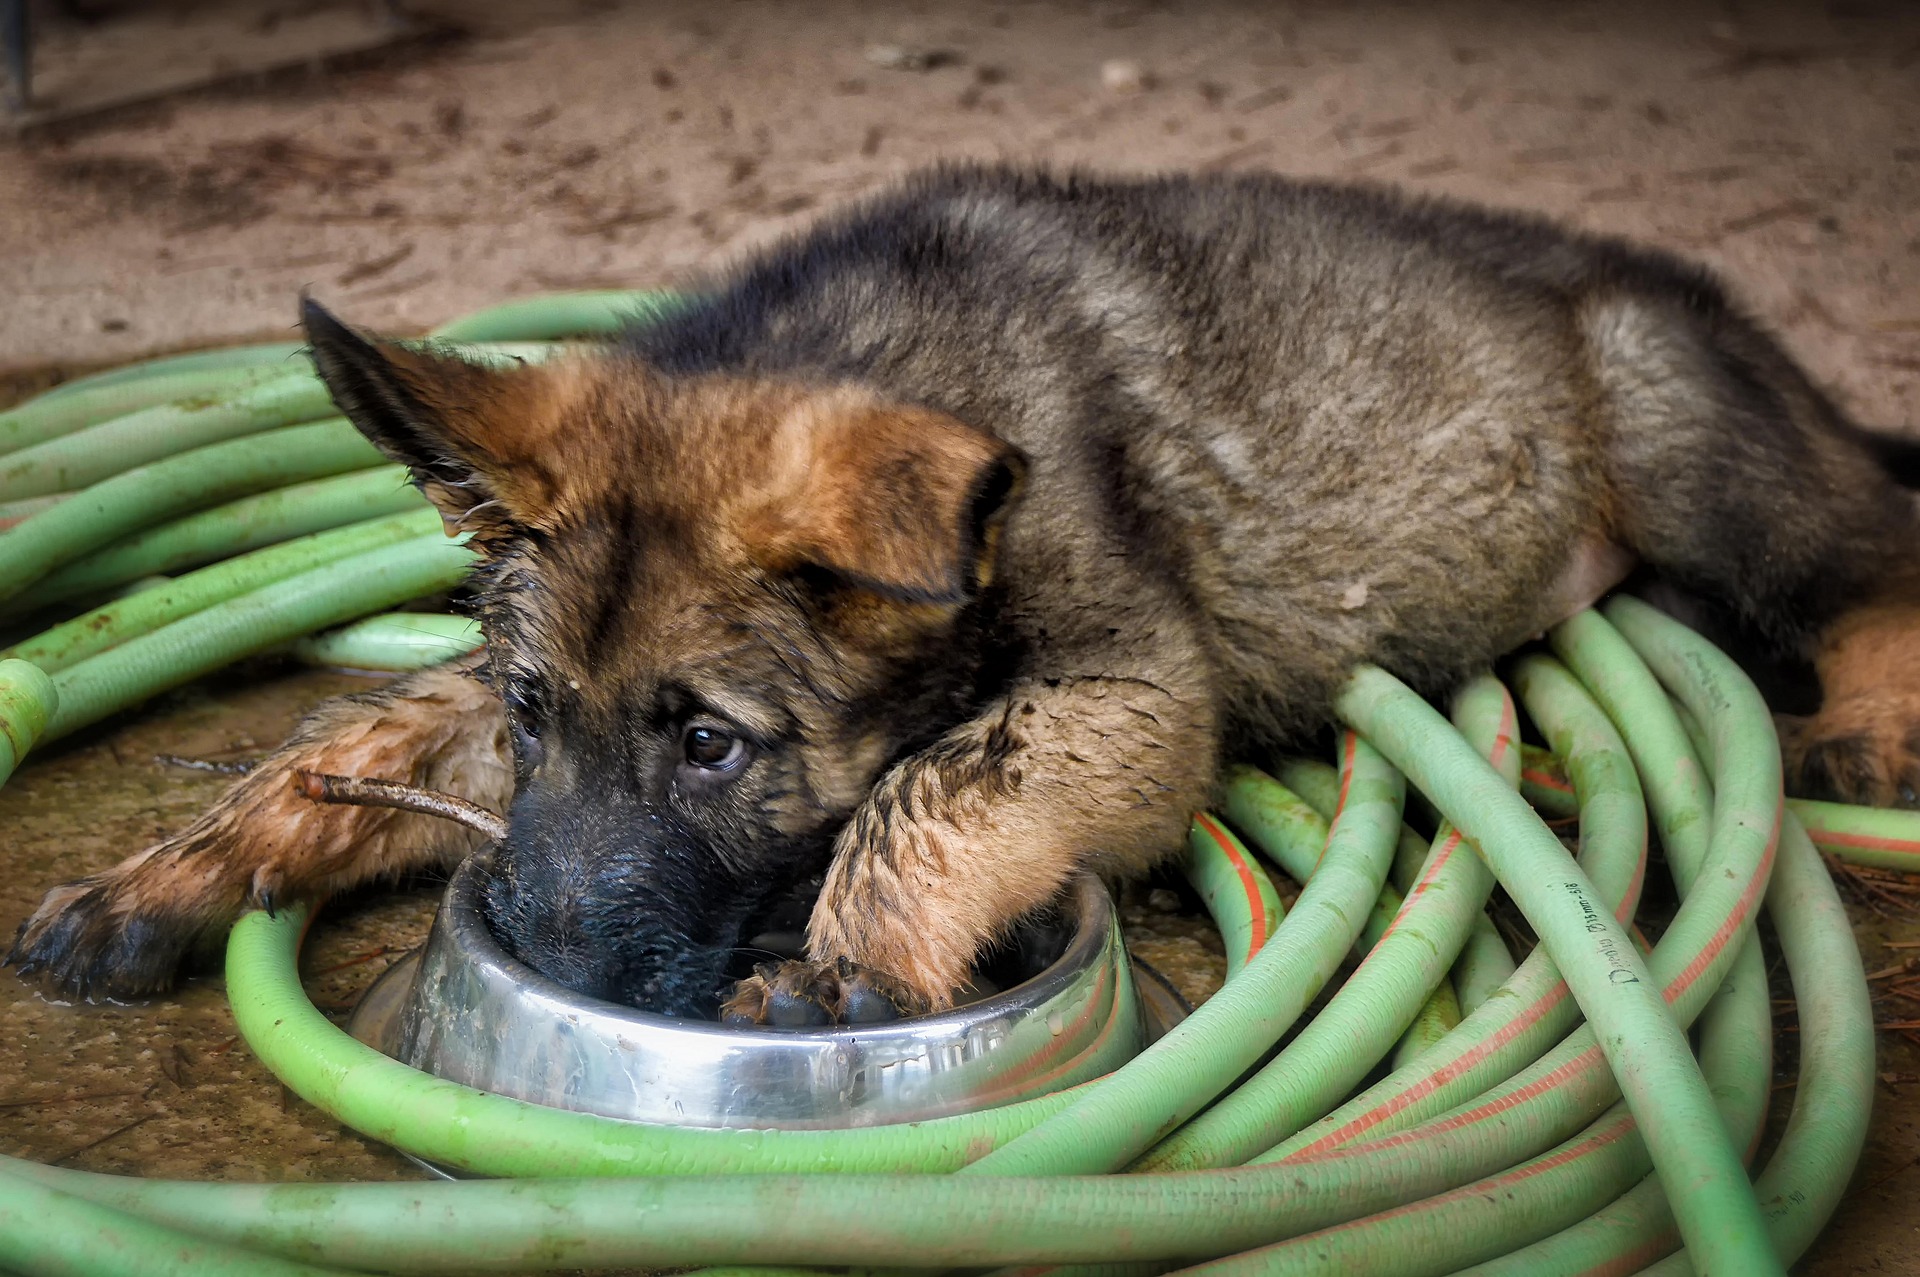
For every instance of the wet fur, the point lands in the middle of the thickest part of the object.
(997, 510)
(125, 931)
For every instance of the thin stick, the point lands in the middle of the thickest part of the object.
(359, 791)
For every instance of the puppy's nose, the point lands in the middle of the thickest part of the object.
(536, 917)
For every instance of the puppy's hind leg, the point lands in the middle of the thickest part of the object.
(1864, 743)
(124, 932)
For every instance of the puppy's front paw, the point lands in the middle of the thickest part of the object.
(1865, 749)
(122, 933)
(799, 995)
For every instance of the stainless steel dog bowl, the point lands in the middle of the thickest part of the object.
(467, 1011)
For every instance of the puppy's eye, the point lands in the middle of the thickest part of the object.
(526, 743)
(523, 717)
(711, 749)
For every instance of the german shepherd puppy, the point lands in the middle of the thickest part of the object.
(949, 547)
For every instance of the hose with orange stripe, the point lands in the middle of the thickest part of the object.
(1801, 1184)
(1233, 886)
(1871, 836)
(1485, 962)
(1563, 1184)
(1534, 1010)
(1877, 837)
(1378, 1001)
(1624, 1002)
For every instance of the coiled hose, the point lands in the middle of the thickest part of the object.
(1546, 1116)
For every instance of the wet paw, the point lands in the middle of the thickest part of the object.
(1863, 750)
(97, 938)
(800, 995)
(124, 932)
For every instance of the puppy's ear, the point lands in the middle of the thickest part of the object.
(466, 430)
(904, 501)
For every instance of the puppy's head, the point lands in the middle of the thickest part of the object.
(716, 610)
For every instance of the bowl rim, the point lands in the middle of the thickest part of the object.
(1094, 936)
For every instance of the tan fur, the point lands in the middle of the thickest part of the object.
(881, 493)
(1864, 743)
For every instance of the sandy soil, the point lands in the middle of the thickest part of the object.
(586, 145)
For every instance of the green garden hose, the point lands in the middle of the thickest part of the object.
(275, 613)
(43, 1230)
(99, 452)
(1831, 1104)
(397, 642)
(1619, 996)
(190, 480)
(1561, 706)
(80, 403)
(114, 623)
(1498, 1138)
(1223, 871)
(1532, 1010)
(1486, 1217)
(154, 373)
(1379, 1000)
(248, 523)
(27, 701)
(1285, 803)
(1115, 1122)
(1485, 962)
(1869, 836)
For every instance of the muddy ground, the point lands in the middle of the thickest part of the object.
(587, 145)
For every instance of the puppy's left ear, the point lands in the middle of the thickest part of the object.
(470, 433)
(903, 501)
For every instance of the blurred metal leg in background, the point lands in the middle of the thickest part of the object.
(14, 39)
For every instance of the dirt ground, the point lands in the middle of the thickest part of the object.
(584, 144)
